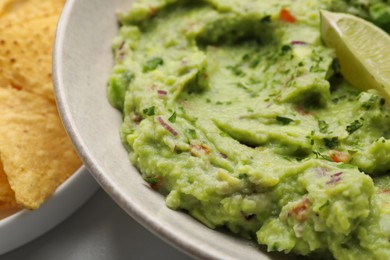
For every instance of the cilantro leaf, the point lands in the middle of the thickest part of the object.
(354, 126)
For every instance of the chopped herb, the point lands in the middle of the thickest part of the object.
(182, 110)
(382, 102)
(336, 66)
(323, 126)
(236, 70)
(152, 180)
(369, 103)
(346, 166)
(192, 133)
(150, 111)
(152, 64)
(322, 156)
(128, 77)
(354, 126)
(331, 143)
(242, 176)
(275, 246)
(223, 134)
(253, 64)
(241, 85)
(286, 48)
(208, 100)
(246, 57)
(266, 19)
(316, 69)
(337, 99)
(250, 110)
(172, 118)
(284, 120)
(324, 205)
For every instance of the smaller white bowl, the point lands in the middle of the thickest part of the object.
(25, 225)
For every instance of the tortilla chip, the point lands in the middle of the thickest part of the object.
(26, 56)
(36, 153)
(21, 11)
(7, 195)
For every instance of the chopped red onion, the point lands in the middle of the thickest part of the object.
(166, 126)
(121, 45)
(335, 178)
(298, 43)
(121, 55)
(162, 93)
(321, 171)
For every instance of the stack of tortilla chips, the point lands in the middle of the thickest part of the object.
(36, 155)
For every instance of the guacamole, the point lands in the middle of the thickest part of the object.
(237, 112)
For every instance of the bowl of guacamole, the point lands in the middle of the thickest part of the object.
(226, 128)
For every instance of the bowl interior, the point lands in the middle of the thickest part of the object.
(82, 65)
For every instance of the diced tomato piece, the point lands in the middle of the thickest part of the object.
(286, 16)
(153, 11)
(198, 149)
(302, 111)
(338, 156)
(300, 211)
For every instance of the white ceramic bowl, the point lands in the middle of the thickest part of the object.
(82, 64)
(26, 225)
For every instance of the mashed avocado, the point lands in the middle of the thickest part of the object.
(237, 112)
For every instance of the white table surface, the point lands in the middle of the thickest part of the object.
(99, 230)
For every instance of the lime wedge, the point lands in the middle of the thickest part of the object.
(363, 51)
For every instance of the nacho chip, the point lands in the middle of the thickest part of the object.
(21, 11)
(7, 195)
(36, 153)
(26, 56)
